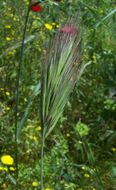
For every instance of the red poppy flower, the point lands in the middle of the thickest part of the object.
(36, 7)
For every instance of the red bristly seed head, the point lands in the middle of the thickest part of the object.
(68, 29)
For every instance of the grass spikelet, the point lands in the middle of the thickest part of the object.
(59, 74)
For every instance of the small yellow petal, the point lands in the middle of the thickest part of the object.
(14, 18)
(113, 149)
(7, 108)
(12, 169)
(34, 138)
(48, 26)
(3, 169)
(53, 23)
(38, 128)
(7, 26)
(86, 175)
(8, 93)
(57, 26)
(68, 135)
(8, 38)
(35, 184)
(83, 168)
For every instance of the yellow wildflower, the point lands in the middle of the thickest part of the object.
(34, 138)
(8, 93)
(86, 175)
(68, 135)
(7, 108)
(57, 26)
(14, 18)
(8, 38)
(35, 184)
(113, 149)
(3, 169)
(7, 26)
(7, 159)
(38, 128)
(83, 168)
(12, 169)
(53, 23)
(48, 26)
(48, 188)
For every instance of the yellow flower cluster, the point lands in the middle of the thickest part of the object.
(33, 138)
(35, 184)
(7, 160)
(3, 169)
(51, 26)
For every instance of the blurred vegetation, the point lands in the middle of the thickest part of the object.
(80, 153)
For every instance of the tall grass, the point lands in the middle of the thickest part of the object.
(60, 71)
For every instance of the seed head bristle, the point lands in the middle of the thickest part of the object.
(59, 73)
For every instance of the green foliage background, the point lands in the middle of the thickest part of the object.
(80, 152)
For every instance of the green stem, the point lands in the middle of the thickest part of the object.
(42, 161)
(18, 94)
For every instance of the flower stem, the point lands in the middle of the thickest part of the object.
(42, 161)
(18, 94)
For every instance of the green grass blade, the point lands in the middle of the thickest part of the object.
(27, 110)
(105, 18)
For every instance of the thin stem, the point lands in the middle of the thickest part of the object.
(42, 136)
(42, 161)
(18, 93)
